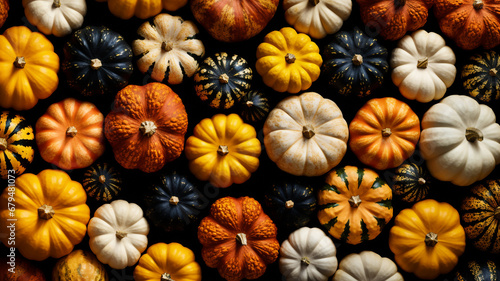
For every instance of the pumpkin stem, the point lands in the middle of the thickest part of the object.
(431, 239)
(289, 204)
(95, 64)
(241, 238)
(102, 178)
(307, 132)
(422, 63)
(167, 47)
(493, 72)
(290, 58)
(314, 2)
(46, 212)
(57, 3)
(305, 260)
(399, 3)
(354, 201)
(496, 214)
(386, 132)
(223, 78)
(421, 181)
(121, 234)
(71, 131)
(473, 134)
(19, 62)
(147, 128)
(166, 277)
(174, 200)
(3, 144)
(478, 4)
(249, 103)
(357, 59)
(223, 150)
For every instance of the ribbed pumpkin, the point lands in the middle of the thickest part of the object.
(102, 182)
(481, 216)
(97, 61)
(70, 134)
(291, 204)
(254, 106)
(17, 142)
(79, 265)
(481, 76)
(471, 23)
(146, 126)
(23, 270)
(367, 266)
(354, 63)
(222, 80)
(355, 204)
(51, 214)
(143, 9)
(411, 182)
(4, 11)
(29, 68)
(384, 133)
(238, 238)
(173, 202)
(170, 48)
(478, 269)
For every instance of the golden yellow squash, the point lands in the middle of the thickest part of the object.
(143, 9)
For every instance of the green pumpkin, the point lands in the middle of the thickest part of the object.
(479, 269)
(254, 106)
(222, 80)
(354, 63)
(102, 182)
(411, 182)
(481, 76)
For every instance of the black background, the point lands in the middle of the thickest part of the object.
(262, 180)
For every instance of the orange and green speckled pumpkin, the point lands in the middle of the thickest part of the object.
(481, 216)
(481, 76)
(478, 269)
(4, 11)
(24, 270)
(79, 265)
(238, 238)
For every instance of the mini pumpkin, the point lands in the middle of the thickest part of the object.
(367, 266)
(481, 77)
(143, 9)
(254, 106)
(411, 182)
(477, 269)
(79, 265)
(102, 182)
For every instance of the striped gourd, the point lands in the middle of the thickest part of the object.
(478, 269)
(481, 216)
(254, 106)
(16, 144)
(481, 76)
(102, 182)
(222, 80)
(412, 182)
(354, 204)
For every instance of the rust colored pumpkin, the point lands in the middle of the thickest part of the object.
(69, 135)
(146, 126)
(238, 238)
(22, 269)
(4, 11)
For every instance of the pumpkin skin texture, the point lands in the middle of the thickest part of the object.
(97, 61)
(354, 63)
(384, 133)
(102, 182)
(29, 68)
(170, 46)
(223, 150)
(51, 212)
(238, 238)
(393, 18)
(308, 255)
(17, 142)
(287, 61)
(233, 20)
(367, 266)
(70, 134)
(143, 9)
(146, 127)
(478, 269)
(423, 66)
(427, 239)
(411, 182)
(4, 11)
(168, 262)
(317, 18)
(79, 265)
(481, 216)
(460, 140)
(173, 202)
(306, 135)
(470, 23)
(481, 77)
(254, 106)
(355, 204)
(222, 80)
(25, 270)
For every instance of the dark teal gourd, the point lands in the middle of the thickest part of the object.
(254, 106)
(102, 182)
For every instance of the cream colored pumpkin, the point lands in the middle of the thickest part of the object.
(308, 255)
(460, 140)
(317, 18)
(57, 17)
(171, 45)
(423, 66)
(118, 233)
(367, 266)
(306, 135)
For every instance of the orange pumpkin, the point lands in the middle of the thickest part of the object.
(384, 133)
(146, 126)
(471, 23)
(70, 135)
(238, 238)
(4, 11)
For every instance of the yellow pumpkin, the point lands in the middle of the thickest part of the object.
(143, 9)
(287, 61)
(223, 150)
(28, 66)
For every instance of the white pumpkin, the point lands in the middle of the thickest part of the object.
(423, 66)
(118, 233)
(308, 255)
(460, 140)
(57, 17)
(306, 135)
(367, 266)
(317, 18)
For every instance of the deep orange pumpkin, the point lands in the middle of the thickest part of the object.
(24, 270)
(4, 11)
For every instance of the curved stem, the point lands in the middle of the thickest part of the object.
(19, 62)
(241, 238)
(386, 132)
(357, 59)
(249, 103)
(95, 64)
(478, 4)
(421, 181)
(354, 201)
(166, 277)
(223, 78)
(57, 3)
(174, 200)
(71, 131)
(493, 72)
(307, 132)
(422, 63)
(290, 58)
(223, 150)
(120, 234)
(431, 239)
(102, 178)
(473, 134)
(289, 204)
(305, 260)
(46, 212)
(147, 128)
(3, 144)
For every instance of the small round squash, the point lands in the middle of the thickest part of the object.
(254, 106)
(102, 182)
(481, 76)
(79, 265)
(411, 182)
(367, 266)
